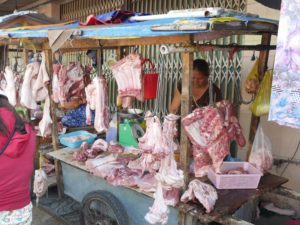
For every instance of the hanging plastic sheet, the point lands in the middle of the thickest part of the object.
(285, 97)
(261, 104)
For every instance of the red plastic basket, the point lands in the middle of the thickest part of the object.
(150, 81)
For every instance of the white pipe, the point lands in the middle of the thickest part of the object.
(193, 13)
(165, 49)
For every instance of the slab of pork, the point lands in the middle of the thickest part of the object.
(158, 212)
(128, 74)
(205, 130)
(27, 99)
(231, 122)
(39, 88)
(55, 83)
(204, 193)
(46, 122)
(10, 88)
(97, 99)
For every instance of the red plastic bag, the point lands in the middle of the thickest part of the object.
(150, 81)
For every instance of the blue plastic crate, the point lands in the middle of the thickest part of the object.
(77, 143)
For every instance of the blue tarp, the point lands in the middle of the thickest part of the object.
(126, 30)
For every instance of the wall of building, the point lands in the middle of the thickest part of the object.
(284, 139)
(50, 10)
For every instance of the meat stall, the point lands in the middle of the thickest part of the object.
(109, 202)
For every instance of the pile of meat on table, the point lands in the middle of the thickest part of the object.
(154, 171)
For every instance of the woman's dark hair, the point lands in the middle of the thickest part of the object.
(202, 66)
(20, 124)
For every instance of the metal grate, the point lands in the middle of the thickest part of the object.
(80, 9)
(226, 74)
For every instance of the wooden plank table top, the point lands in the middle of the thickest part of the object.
(229, 201)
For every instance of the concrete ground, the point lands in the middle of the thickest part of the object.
(40, 217)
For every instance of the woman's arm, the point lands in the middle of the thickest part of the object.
(218, 94)
(176, 101)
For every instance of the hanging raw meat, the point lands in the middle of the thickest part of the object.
(211, 130)
(231, 122)
(169, 179)
(71, 83)
(34, 87)
(204, 193)
(158, 213)
(27, 99)
(39, 87)
(202, 162)
(55, 83)
(203, 126)
(128, 74)
(45, 123)
(10, 87)
(152, 141)
(168, 173)
(90, 92)
(97, 100)
(205, 130)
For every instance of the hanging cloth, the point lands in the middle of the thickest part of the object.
(285, 96)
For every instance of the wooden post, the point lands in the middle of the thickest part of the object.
(187, 60)
(55, 142)
(99, 61)
(25, 62)
(186, 93)
(262, 67)
(25, 56)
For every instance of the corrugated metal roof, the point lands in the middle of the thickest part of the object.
(18, 19)
(145, 29)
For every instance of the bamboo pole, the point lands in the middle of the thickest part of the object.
(165, 49)
(262, 67)
(55, 142)
(185, 109)
(187, 61)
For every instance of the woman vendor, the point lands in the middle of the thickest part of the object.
(200, 88)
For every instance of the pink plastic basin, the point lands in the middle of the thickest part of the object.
(239, 181)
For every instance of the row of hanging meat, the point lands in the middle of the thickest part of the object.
(71, 87)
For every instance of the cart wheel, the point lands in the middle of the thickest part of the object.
(102, 208)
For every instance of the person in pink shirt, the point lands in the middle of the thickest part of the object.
(17, 149)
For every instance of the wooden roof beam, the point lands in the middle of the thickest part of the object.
(83, 44)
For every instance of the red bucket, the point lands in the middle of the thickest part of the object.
(150, 81)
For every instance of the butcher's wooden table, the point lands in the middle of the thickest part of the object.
(229, 201)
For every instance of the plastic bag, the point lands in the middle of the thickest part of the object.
(261, 104)
(252, 82)
(261, 155)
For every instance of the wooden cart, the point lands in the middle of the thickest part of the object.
(74, 180)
